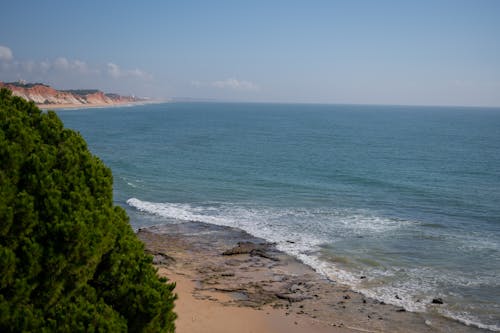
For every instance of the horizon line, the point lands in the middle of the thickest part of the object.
(215, 100)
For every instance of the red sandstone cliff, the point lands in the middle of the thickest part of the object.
(43, 94)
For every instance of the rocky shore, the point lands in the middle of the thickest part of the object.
(231, 268)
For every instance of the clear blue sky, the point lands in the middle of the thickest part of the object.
(431, 52)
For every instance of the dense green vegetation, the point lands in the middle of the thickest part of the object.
(69, 260)
(25, 85)
(81, 92)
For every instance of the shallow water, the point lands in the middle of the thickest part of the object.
(405, 196)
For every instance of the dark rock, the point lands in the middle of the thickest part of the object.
(437, 300)
(292, 298)
(162, 259)
(253, 249)
(397, 296)
(347, 297)
(362, 277)
(263, 254)
(245, 248)
(401, 310)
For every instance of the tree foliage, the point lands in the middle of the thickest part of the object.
(69, 260)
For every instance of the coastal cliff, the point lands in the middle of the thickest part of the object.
(44, 95)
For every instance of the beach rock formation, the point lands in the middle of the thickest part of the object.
(233, 268)
(253, 249)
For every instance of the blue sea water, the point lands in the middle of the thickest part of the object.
(408, 197)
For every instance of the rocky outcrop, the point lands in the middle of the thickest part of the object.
(224, 265)
(254, 249)
(43, 94)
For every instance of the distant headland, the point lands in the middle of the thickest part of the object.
(47, 97)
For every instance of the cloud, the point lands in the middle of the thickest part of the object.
(116, 72)
(44, 66)
(232, 84)
(59, 65)
(64, 71)
(5, 53)
(235, 85)
(196, 83)
(64, 65)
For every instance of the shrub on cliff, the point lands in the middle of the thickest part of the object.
(69, 260)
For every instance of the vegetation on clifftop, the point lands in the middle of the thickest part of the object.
(25, 84)
(69, 260)
(81, 92)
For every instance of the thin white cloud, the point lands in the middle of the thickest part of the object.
(28, 66)
(44, 66)
(235, 85)
(5, 53)
(231, 84)
(65, 65)
(62, 69)
(61, 63)
(116, 72)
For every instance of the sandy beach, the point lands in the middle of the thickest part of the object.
(229, 281)
(94, 105)
(77, 106)
(212, 315)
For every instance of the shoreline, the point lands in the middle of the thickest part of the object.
(224, 272)
(94, 105)
(212, 315)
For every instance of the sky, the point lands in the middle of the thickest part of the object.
(427, 52)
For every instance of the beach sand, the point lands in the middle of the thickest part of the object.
(211, 315)
(78, 106)
(230, 281)
(95, 105)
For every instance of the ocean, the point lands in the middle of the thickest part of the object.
(402, 203)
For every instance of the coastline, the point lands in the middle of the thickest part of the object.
(226, 277)
(95, 105)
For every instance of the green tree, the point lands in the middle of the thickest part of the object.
(69, 260)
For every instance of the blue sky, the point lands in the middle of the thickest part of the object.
(434, 52)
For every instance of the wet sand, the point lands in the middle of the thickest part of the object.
(228, 280)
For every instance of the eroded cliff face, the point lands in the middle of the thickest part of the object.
(44, 95)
